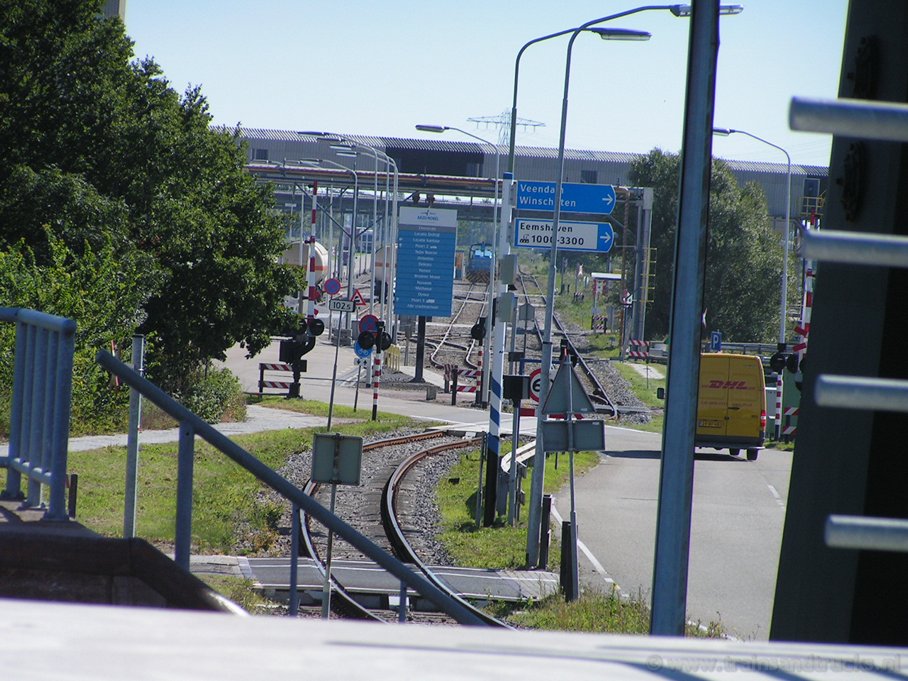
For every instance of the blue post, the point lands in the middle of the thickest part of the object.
(183, 539)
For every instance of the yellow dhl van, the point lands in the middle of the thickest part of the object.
(731, 409)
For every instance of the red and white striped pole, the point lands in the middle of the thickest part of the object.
(804, 329)
(311, 279)
(778, 418)
(376, 379)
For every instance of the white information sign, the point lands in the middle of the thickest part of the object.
(341, 305)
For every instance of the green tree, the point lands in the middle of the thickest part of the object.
(102, 150)
(743, 260)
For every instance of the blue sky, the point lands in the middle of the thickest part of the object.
(368, 67)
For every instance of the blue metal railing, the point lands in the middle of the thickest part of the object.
(40, 409)
(191, 425)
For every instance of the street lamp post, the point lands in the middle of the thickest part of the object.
(783, 304)
(350, 255)
(378, 155)
(534, 519)
(501, 248)
(534, 515)
(391, 229)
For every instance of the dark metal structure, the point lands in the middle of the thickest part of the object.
(853, 461)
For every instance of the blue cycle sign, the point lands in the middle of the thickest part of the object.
(594, 199)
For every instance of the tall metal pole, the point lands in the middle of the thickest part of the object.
(501, 247)
(677, 469)
(535, 510)
(533, 519)
(783, 303)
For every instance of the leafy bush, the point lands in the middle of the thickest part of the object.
(98, 289)
(215, 395)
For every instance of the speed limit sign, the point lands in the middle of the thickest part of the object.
(535, 384)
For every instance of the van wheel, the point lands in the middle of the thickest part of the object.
(752, 454)
(734, 452)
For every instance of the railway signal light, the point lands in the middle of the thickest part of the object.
(791, 363)
(366, 340)
(777, 362)
(478, 330)
(316, 327)
(369, 339)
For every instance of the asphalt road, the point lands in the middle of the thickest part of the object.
(736, 527)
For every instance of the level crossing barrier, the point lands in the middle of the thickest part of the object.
(192, 425)
(638, 349)
(271, 383)
(453, 374)
(789, 431)
(40, 409)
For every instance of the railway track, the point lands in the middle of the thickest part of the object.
(455, 346)
(595, 388)
(386, 511)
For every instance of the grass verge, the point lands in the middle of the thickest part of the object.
(499, 546)
(230, 515)
(645, 388)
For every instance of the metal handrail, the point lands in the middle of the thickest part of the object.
(855, 248)
(879, 121)
(40, 409)
(191, 425)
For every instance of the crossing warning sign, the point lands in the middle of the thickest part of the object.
(358, 299)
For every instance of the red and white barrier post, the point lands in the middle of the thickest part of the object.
(376, 379)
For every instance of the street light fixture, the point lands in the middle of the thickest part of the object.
(534, 515)
(487, 363)
(345, 146)
(783, 304)
(677, 10)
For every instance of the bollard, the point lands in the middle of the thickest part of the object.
(454, 388)
(545, 532)
(73, 483)
(568, 569)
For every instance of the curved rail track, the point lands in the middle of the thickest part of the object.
(376, 516)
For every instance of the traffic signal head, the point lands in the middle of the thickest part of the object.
(316, 327)
(777, 362)
(366, 340)
(791, 363)
(478, 330)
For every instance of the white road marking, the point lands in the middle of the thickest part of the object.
(597, 566)
(778, 497)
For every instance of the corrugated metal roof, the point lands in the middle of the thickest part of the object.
(389, 144)
(776, 168)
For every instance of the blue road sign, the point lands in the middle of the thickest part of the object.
(332, 286)
(589, 237)
(426, 241)
(595, 199)
(715, 341)
(360, 350)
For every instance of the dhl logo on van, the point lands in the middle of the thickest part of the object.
(729, 385)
